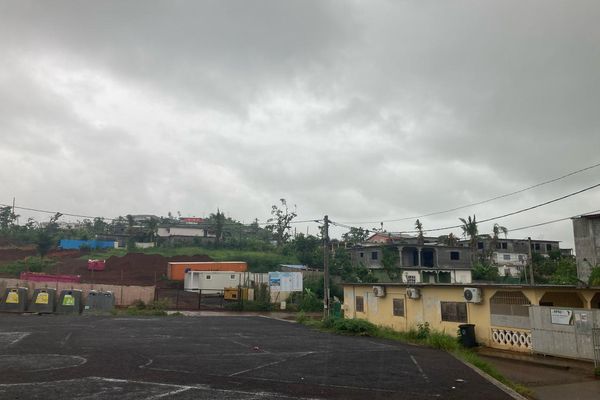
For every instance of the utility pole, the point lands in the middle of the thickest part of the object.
(13, 212)
(531, 278)
(326, 267)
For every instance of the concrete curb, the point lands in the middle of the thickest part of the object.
(511, 392)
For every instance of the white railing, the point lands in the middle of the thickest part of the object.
(511, 339)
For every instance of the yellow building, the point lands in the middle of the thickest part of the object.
(500, 313)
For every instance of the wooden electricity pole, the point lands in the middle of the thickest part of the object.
(326, 267)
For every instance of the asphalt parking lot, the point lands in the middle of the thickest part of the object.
(87, 357)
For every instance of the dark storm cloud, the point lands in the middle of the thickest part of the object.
(363, 110)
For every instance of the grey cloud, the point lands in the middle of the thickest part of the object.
(365, 111)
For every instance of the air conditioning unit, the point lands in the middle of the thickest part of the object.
(379, 291)
(413, 293)
(472, 295)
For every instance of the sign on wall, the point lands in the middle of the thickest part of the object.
(285, 281)
(561, 317)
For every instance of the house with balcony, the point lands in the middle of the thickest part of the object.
(429, 262)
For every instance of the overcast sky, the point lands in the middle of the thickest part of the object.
(363, 110)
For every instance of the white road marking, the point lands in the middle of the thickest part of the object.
(172, 392)
(270, 364)
(414, 360)
(147, 364)
(12, 338)
(64, 341)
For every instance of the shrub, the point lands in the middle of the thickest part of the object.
(138, 304)
(358, 327)
(301, 317)
(595, 277)
(439, 340)
(423, 331)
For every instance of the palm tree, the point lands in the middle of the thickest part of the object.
(451, 240)
(469, 228)
(495, 233)
(419, 226)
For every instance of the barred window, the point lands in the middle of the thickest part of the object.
(454, 311)
(399, 307)
(410, 279)
(360, 304)
(509, 303)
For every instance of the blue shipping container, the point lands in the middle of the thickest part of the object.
(68, 244)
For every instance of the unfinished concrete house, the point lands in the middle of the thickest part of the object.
(416, 263)
(586, 230)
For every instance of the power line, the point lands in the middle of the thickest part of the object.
(553, 221)
(54, 212)
(499, 216)
(116, 219)
(482, 201)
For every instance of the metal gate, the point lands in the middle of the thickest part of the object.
(596, 341)
(177, 299)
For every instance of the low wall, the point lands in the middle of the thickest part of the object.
(124, 295)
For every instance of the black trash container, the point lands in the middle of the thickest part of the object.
(467, 335)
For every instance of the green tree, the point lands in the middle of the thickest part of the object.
(99, 226)
(483, 271)
(280, 222)
(355, 235)
(7, 218)
(595, 276)
(389, 259)
(46, 235)
(308, 250)
(565, 272)
(469, 228)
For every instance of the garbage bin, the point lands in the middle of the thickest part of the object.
(43, 301)
(467, 335)
(70, 302)
(14, 300)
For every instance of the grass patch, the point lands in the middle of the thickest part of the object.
(422, 335)
(31, 264)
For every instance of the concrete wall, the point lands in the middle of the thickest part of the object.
(586, 231)
(572, 340)
(124, 295)
(461, 276)
(177, 231)
(445, 261)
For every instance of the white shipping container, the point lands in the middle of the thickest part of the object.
(217, 281)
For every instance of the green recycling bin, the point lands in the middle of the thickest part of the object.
(70, 302)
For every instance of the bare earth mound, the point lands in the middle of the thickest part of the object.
(131, 269)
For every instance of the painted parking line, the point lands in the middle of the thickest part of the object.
(109, 388)
(12, 338)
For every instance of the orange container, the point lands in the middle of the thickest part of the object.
(176, 270)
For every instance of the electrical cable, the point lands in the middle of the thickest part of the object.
(482, 201)
(500, 216)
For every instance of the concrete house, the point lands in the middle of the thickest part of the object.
(586, 230)
(509, 317)
(428, 262)
(184, 233)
